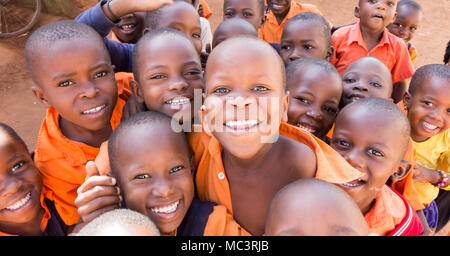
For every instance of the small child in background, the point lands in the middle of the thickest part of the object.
(365, 78)
(129, 29)
(120, 222)
(370, 37)
(206, 35)
(233, 27)
(306, 35)
(428, 107)
(161, 186)
(278, 13)
(24, 211)
(372, 134)
(408, 19)
(315, 89)
(311, 207)
(251, 11)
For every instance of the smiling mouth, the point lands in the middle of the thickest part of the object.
(168, 209)
(353, 184)
(307, 128)
(94, 111)
(19, 204)
(242, 125)
(178, 103)
(429, 127)
(354, 97)
(128, 27)
(378, 17)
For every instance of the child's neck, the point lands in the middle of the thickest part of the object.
(32, 228)
(88, 137)
(417, 138)
(247, 166)
(371, 38)
(281, 17)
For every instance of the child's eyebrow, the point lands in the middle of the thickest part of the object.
(14, 157)
(63, 75)
(176, 23)
(192, 62)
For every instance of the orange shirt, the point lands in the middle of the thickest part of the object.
(388, 211)
(44, 220)
(271, 31)
(349, 46)
(123, 82)
(62, 163)
(221, 223)
(412, 53)
(206, 10)
(211, 181)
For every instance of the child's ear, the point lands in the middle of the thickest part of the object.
(285, 105)
(403, 170)
(406, 100)
(135, 88)
(357, 12)
(330, 53)
(40, 95)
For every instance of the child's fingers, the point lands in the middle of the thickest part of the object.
(91, 169)
(86, 207)
(96, 181)
(89, 217)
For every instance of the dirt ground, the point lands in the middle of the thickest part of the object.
(20, 109)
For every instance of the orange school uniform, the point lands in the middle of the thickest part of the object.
(62, 161)
(206, 10)
(271, 31)
(350, 46)
(391, 215)
(211, 181)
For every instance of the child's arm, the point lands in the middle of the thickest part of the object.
(422, 174)
(100, 18)
(427, 231)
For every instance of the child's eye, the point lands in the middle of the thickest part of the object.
(343, 143)
(308, 47)
(196, 35)
(427, 103)
(17, 166)
(303, 100)
(330, 110)
(390, 3)
(412, 29)
(448, 110)
(193, 73)
(375, 152)
(260, 88)
(176, 169)
(349, 80)
(159, 76)
(247, 14)
(65, 83)
(375, 84)
(142, 176)
(285, 47)
(100, 74)
(229, 14)
(221, 90)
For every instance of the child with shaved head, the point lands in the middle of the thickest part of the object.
(372, 134)
(120, 222)
(74, 78)
(312, 207)
(232, 27)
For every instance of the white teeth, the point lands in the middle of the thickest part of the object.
(241, 123)
(179, 101)
(306, 129)
(20, 203)
(94, 110)
(429, 126)
(167, 209)
(352, 185)
(127, 26)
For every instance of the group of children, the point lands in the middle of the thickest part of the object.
(303, 128)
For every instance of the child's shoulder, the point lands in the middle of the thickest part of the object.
(299, 155)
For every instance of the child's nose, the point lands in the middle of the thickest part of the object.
(88, 90)
(354, 159)
(178, 84)
(314, 113)
(162, 188)
(361, 87)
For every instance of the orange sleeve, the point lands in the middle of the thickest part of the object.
(413, 54)
(403, 68)
(221, 223)
(207, 11)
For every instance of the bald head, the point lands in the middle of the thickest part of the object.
(46, 37)
(372, 64)
(385, 113)
(245, 47)
(154, 18)
(120, 222)
(231, 28)
(312, 207)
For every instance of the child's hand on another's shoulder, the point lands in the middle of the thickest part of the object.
(123, 7)
(422, 174)
(98, 194)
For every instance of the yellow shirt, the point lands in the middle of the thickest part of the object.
(434, 154)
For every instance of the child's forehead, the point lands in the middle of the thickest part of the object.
(368, 66)
(241, 4)
(177, 10)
